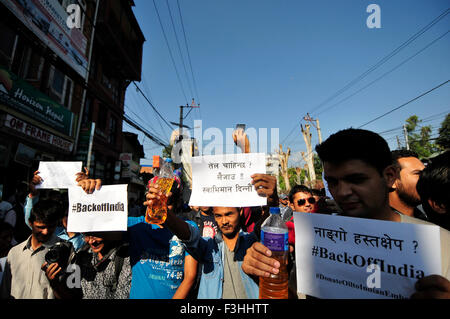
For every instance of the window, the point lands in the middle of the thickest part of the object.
(33, 65)
(101, 118)
(60, 87)
(112, 131)
(113, 87)
(87, 111)
(8, 43)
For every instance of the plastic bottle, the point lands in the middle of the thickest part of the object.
(157, 212)
(274, 235)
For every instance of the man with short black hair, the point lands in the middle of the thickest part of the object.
(434, 190)
(404, 196)
(23, 277)
(359, 172)
(301, 199)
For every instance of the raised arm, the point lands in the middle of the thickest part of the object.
(175, 224)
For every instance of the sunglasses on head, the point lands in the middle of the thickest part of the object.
(302, 202)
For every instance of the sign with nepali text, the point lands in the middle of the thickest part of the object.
(58, 174)
(105, 209)
(224, 180)
(347, 257)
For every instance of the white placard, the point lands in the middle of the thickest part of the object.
(105, 209)
(333, 254)
(224, 180)
(58, 174)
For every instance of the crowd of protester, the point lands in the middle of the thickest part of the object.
(214, 252)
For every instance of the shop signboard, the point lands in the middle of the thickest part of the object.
(23, 97)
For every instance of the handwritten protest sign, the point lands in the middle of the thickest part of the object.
(105, 209)
(58, 174)
(346, 257)
(224, 180)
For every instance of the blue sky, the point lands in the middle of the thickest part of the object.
(266, 63)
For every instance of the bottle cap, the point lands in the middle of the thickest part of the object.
(275, 210)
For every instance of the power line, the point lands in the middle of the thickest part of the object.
(167, 123)
(189, 60)
(424, 120)
(382, 76)
(129, 121)
(146, 88)
(179, 48)
(187, 50)
(170, 51)
(382, 61)
(410, 101)
(136, 120)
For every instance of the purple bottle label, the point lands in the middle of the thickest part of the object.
(275, 242)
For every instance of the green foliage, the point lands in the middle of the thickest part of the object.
(444, 133)
(419, 140)
(318, 168)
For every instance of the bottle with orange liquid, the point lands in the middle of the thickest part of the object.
(157, 212)
(274, 235)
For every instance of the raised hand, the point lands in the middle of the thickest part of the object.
(241, 140)
(82, 175)
(266, 186)
(89, 185)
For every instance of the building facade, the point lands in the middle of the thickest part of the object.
(57, 78)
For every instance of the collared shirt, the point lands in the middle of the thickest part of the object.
(210, 253)
(23, 277)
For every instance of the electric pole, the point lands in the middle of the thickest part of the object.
(317, 125)
(405, 133)
(180, 124)
(309, 155)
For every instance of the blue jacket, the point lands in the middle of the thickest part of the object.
(210, 252)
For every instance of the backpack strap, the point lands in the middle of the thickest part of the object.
(118, 265)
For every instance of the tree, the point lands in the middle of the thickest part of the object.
(444, 133)
(419, 141)
(284, 158)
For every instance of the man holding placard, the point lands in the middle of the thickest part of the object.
(358, 170)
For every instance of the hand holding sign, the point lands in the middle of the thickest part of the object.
(106, 209)
(334, 254)
(266, 186)
(88, 185)
(58, 174)
(432, 287)
(225, 180)
(36, 180)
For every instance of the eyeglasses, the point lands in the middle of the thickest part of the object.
(310, 200)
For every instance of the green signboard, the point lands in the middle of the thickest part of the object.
(23, 97)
